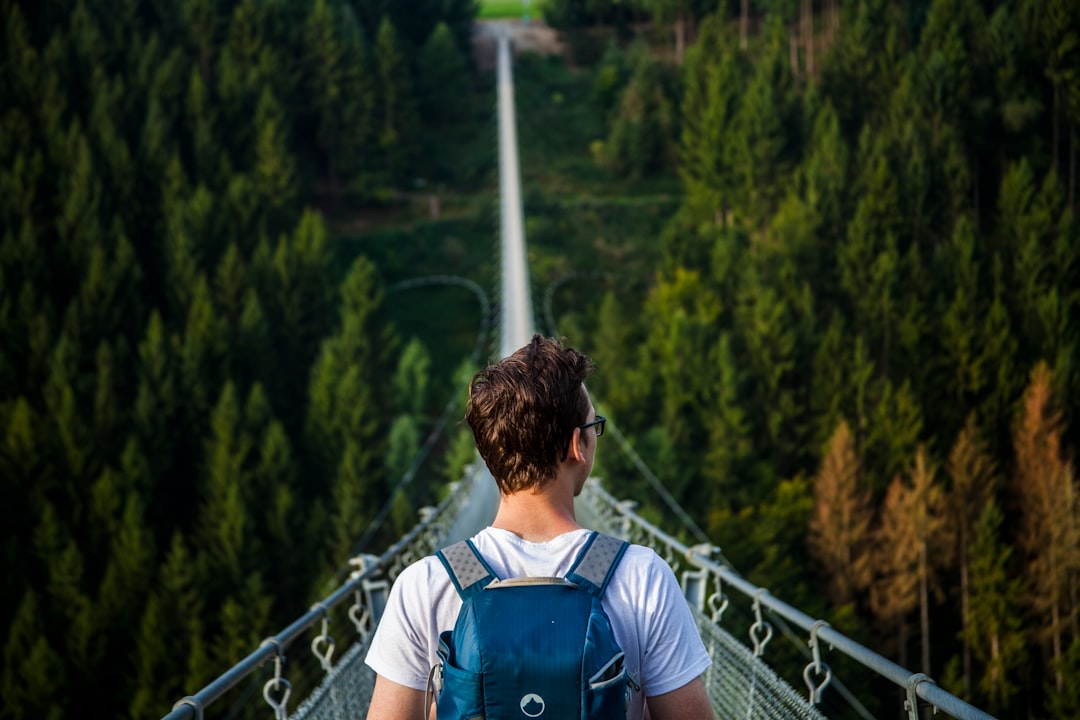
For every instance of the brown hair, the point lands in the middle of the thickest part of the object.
(523, 410)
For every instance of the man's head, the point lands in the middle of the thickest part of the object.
(523, 411)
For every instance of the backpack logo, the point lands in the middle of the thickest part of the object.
(532, 705)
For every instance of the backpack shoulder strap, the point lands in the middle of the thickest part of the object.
(468, 570)
(595, 564)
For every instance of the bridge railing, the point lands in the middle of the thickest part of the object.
(700, 571)
(367, 587)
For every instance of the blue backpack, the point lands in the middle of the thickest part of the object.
(532, 647)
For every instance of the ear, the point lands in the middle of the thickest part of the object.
(575, 453)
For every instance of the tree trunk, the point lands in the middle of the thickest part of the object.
(793, 46)
(902, 654)
(1056, 145)
(808, 34)
(924, 609)
(1072, 168)
(1055, 618)
(975, 185)
(744, 22)
(995, 663)
(965, 610)
(680, 38)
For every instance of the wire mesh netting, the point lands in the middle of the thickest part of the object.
(739, 684)
(345, 692)
(743, 686)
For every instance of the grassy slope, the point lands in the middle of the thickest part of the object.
(498, 9)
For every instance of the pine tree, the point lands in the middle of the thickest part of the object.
(869, 256)
(964, 371)
(860, 69)
(729, 446)
(994, 629)
(1034, 228)
(64, 410)
(1046, 487)
(681, 319)
(760, 136)
(402, 447)
(895, 592)
(353, 499)
(150, 692)
(202, 120)
(274, 172)
(199, 23)
(230, 285)
(224, 525)
(973, 476)
(183, 602)
(709, 106)
(825, 173)
(78, 220)
(839, 527)
(894, 427)
(931, 532)
(442, 80)
(273, 481)
(23, 483)
(642, 134)
(158, 398)
(411, 380)
(340, 428)
(127, 578)
(340, 92)
(33, 671)
(395, 109)
(297, 295)
(253, 349)
(247, 67)
(765, 331)
(201, 352)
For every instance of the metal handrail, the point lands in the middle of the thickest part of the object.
(192, 707)
(913, 683)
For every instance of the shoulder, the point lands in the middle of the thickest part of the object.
(644, 561)
(643, 577)
(421, 572)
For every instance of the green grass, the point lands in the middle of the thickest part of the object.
(496, 9)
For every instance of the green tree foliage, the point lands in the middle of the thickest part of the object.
(644, 127)
(994, 631)
(441, 77)
(165, 289)
(396, 121)
(889, 238)
(411, 379)
(337, 75)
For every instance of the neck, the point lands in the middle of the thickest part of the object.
(537, 515)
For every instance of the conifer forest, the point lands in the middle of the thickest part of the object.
(824, 254)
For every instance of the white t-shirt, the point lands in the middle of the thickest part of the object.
(649, 615)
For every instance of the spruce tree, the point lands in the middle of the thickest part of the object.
(1046, 487)
(442, 78)
(396, 120)
(994, 631)
(973, 476)
(839, 527)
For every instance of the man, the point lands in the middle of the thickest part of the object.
(536, 429)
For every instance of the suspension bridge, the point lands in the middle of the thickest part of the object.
(741, 682)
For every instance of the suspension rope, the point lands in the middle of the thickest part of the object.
(657, 485)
